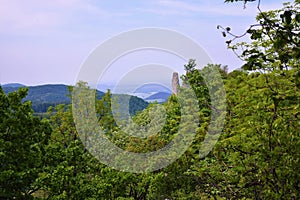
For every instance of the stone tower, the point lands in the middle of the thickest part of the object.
(175, 83)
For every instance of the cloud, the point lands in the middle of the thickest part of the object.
(40, 15)
(177, 7)
(36, 15)
(213, 8)
(18, 15)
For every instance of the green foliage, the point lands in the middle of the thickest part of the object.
(44, 96)
(258, 153)
(275, 40)
(256, 157)
(22, 144)
(259, 149)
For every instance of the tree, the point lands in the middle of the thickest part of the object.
(22, 141)
(275, 40)
(258, 154)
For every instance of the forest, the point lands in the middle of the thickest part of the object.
(257, 155)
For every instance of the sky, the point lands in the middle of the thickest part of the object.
(46, 42)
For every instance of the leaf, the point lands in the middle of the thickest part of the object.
(228, 42)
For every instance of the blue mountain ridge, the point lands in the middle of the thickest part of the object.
(159, 95)
(44, 96)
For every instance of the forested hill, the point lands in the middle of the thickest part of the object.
(159, 96)
(44, 96)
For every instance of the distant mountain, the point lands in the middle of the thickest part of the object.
(153, 92)
(152, 88)
(159, 97)
(13, 85)
(44, 96)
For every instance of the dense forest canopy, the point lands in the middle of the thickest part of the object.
(256, 157)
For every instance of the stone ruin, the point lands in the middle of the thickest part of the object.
(175, 83)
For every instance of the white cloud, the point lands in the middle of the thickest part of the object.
(18, 15)
(40, 15)
(212, 7)
(62, 32)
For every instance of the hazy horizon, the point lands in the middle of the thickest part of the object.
(47, 42)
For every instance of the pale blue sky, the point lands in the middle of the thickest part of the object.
(47, 41)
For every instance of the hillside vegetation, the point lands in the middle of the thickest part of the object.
(257, 156)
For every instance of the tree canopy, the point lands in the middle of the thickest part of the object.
(256, 156)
